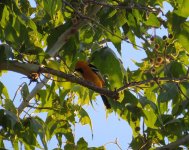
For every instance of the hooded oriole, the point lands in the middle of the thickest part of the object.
(90, 73)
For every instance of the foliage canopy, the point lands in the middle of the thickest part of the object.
(58, 33)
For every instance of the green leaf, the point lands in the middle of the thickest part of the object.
(180, 28)
(86, 35)
(55, 65)
(144, 101)
(5, 52)
(115, 37)
(69, 146)
(2, 143)
(58, 124)
(170, 125)
(168, 92)
(8, 119)
(52, 6)
(182, 35)
(32, 25)
(182, 9)
(70, 49)
(131, 37)
(84, 118)
(38, 127)
(134, 122)
(113, 33)
(82, 144)
(185, 88)
(15, 145)
(111, 13)
(42, 96)
(151, 95)
(59, 138)
(132, 24)
(174, 21)
(137, 142)
(137, 14)
(84, 94)
(109, 65)
(152, 21)
(4, 16)
(24, 91)
(25, 6)
(3, 91)
(183, 57)
(9, 105)
(11, 35)
(163, 107)
(130, 98)
(175, 70)
(97, 148)
(150, 116)
(58, 18)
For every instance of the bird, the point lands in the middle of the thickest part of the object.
(90, 73)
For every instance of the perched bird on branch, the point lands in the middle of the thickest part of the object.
(90, 73)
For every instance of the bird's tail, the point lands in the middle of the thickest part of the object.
(106, 103)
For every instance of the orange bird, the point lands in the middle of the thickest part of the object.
(90, 73)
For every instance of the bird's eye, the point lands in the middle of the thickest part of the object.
(79, 70)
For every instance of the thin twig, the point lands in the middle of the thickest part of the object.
(48, 108)
(18, 90)
(114, 142)
(165, 79)
(122, 6)
(26, 113)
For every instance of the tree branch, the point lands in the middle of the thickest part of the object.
(27, 69)
(175, 144)
(22, 68)
(165, 79)
(74, 79)
(13, 65)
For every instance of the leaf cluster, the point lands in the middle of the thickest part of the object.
(153, 99)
